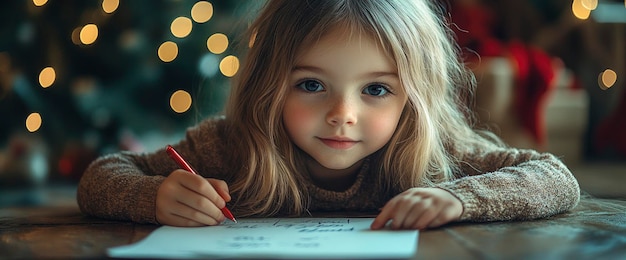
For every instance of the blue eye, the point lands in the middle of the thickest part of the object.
(376, 90)
(310, 86)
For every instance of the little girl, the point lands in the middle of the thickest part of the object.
(341, 105)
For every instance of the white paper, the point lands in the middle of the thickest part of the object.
(275, 238)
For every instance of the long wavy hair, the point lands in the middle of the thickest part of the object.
(413, 32)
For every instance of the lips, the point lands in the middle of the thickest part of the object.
(338, 142)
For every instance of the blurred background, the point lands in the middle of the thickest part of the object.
(80, 79)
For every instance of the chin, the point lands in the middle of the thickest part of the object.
(338, 165)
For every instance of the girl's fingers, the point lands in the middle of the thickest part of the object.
(400, 212)
(179, 221)
(384, 216)
(395, 210)
(221, 187)
(174, 216)
(186, 199)
(199, 204)
(183, 216)
(419, 210)
(176, 213)
(425, 218)
(191, 217)
(444, 217)
(201, 186)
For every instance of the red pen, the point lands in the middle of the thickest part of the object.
(182, 163)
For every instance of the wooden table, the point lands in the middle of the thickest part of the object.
(594, 230)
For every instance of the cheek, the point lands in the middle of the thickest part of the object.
(297, 117)
(383, 126)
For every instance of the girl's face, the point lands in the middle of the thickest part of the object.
(345, 100)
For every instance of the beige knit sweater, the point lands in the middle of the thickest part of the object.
(498, 183)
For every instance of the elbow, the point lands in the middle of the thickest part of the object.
(82, 193)
(571, 192)
(574, 193)
(567, 186)
(87, 189)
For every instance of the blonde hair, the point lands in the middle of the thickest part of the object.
(412, 32)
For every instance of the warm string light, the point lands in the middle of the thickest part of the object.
(202, 11)
(47, 76)
(33, 122)
(88, 34)
(109, 6)
(40, 2)
(180, 101)
(589, 4)
(181, 27)
(582, 10)
(217, 43)
(607, 79)
(76, 35)
(229, 66)
(168, 51)
(579, 10)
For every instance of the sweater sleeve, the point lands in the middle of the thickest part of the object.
(123, 186)
(513, 184)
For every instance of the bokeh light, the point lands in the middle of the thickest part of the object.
(76, 35)
(607, 79)
(208, 65)
(202, 11)
(589, 4)
(180, 101)
(47, 76)
(33, 122)
(217, 43)
(168, 51)
(40, 2)
(109, 6)
(89, 34)
(579, 10)
(181, 27)
(229, 66)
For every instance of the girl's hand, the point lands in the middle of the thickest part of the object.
(186, 199)
(419, 208)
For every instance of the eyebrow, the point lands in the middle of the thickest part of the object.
(374, 74)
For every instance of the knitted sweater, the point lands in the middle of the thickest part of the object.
(497, 183)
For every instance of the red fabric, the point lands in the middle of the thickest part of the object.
(534, 70)
(473, 29)
(534, 83)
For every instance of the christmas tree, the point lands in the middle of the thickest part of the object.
(79, 79)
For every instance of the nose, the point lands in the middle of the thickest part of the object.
(342, 112)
